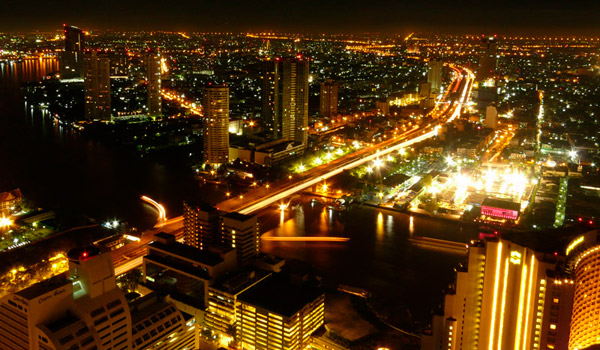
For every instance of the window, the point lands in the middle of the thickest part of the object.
(97, 312)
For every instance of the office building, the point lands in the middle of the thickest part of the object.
(434, 76)
(71, 59)
(97, 87)
(241, 232)
(200, 224)
(84, 309)
(269, 93)
(329, 98)
(584, 254)
(10, 202)
(154, 104)
(488, 59)
(277, 313)
(221, 315)
(216, 130)
(498, 302)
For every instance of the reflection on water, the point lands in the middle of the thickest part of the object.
(378, 256)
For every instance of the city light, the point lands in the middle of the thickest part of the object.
(5, 222)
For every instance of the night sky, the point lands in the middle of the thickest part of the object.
(454, 16)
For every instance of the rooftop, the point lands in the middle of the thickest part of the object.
(500, 203)
(44, 286)
(238, 216)
(277, 295)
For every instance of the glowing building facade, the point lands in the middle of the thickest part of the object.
(241, 232)
(329, 98)
(276, 314)
(97, 87)
(216, 131)
(153, 72)
(498, 303)
(200, 224)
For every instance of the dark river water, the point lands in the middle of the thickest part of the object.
(59, 169)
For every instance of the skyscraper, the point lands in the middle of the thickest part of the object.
(241, 232)
(154, 84)
(294, 99)
(269, 94)
(97, 87)
(216, 130)
(329, 98)
(285, 98)
(71, 59)
(498, 301)
(434, 75)
(488, 59)
(585, 321)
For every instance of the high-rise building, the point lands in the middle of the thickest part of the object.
(97, 87)
(74, 38)
(84, 309)
(329, 98)
(242, 233)
(277, 314)
(216, 130)
(294, 99)
(285, 98)
(200, 224)
(434, 76)
(154, 105)
(584, 252)
(488, 60)
(71, 59)
(269, 94)
(498, 301)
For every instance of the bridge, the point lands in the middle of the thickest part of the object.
(456, 96)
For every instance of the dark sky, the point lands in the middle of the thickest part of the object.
(458, 16)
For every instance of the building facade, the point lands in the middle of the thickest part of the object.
(216, 130)
(154, 104)
(71, 59)
(434, 76)
(329, 98)
(97, 87)
(241, 232)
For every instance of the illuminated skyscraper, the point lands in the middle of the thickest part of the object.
(200, 224)
(585, 320)
(329, 98)
(216, 130)
(285, 98)
(434, 76)
(71, 59)
(241, 232)
(294, 99)
(498, 301)
(154, 84)
(97, 87)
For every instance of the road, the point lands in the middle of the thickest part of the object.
(446, 110)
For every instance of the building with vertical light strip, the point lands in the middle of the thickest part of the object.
(498, 302)
(329, 98)
(584, 252)
(200, 224)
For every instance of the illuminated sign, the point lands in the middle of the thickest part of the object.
(577, 241)
(515, 257)
(500, 212)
